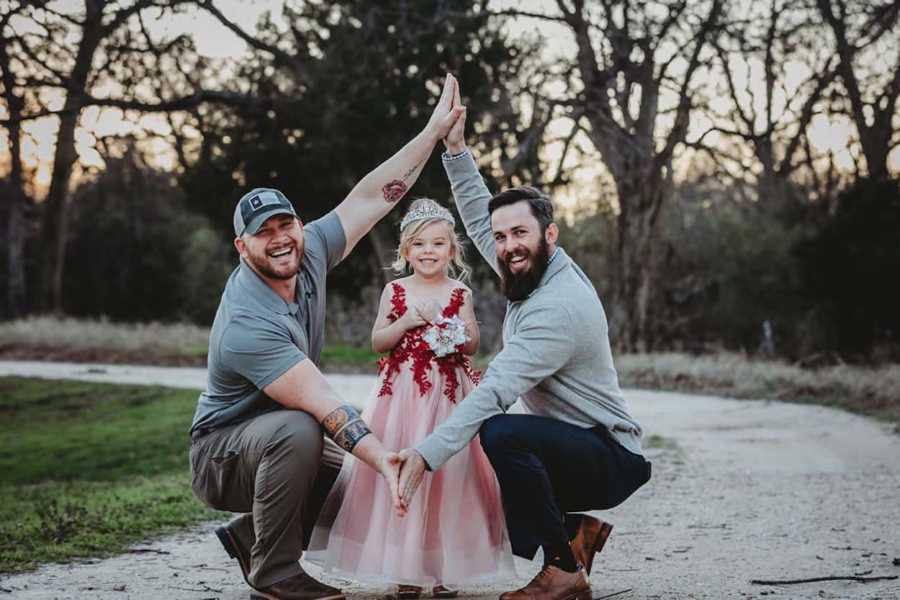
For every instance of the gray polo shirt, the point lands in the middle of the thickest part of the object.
(257, 336)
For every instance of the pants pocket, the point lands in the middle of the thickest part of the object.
(216, 480)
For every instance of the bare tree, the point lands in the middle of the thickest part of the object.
(114, 63)
(14, 103)
(635, 74)
(866, 35)
(760, 52)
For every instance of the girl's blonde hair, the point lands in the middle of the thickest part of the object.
(458, 267)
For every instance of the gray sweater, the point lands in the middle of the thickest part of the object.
(556, 354)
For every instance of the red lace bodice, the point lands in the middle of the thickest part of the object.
(413, 347)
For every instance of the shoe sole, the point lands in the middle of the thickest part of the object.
(230, 544)
(605, 531)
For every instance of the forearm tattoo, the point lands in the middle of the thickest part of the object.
(345, 427)
(396, 189)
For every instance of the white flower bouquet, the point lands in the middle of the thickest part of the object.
(445, 334)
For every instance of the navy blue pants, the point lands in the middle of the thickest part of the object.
(547, 468)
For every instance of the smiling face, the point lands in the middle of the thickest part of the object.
(523, 250)
(430, 249)
(276, 249)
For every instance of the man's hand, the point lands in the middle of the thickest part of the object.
(389, 466)
(445, 114)
(410, 475)
(455, 141)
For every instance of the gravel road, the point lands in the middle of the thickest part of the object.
(741, 490)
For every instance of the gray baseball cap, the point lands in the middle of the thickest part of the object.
(256, 206)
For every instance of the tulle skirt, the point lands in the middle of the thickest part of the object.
(454, 532)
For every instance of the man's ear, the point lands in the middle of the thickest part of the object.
(240, 246)
(552, 233)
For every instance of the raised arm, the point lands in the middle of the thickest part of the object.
(378, 192)
(469, 190)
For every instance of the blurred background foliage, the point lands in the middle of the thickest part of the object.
(738, 233)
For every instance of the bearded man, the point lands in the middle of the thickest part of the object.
(577, 448)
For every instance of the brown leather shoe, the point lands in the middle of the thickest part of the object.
(298, 587)
(589, 540)
(552, 583)
(235, 549)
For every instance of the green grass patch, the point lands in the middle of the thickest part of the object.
(89, 468)
(341, 354)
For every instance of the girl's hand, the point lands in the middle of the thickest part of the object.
(429, 310)
(412, 319)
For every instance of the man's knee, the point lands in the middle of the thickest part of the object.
(299, 439)
(497, 434)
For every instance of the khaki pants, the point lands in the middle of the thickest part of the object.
(276, 469)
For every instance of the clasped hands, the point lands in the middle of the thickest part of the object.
(403, 471)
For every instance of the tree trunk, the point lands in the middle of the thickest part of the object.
(54, 228)
(16, 290)
(15, 237)
(638, 230)
(381, 256)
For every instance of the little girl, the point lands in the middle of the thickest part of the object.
(454, 531)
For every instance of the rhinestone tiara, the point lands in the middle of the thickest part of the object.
(427, 212)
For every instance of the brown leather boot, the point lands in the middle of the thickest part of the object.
(589, 540)
(235, 549)
(552, 583)
(298, 587)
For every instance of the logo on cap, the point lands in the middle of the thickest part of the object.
(255, 202)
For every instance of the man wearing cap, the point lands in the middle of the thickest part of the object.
(257, 445)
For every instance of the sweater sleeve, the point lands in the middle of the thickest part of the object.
(472, 197)
(541, 345)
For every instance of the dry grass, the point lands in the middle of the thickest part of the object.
(85, 336)
(873, 391)
(870, 391)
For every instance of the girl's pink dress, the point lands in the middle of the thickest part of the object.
(455, 530)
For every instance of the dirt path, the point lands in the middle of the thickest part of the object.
(741, 490)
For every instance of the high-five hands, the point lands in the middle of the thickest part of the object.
(445, 114)
(455, 140)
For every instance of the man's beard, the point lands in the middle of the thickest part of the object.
(518, 286)
(260, 262)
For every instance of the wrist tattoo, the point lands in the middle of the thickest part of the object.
(345, 427)
(394, 190)
(336, 419)
(349, 436)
